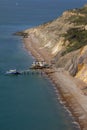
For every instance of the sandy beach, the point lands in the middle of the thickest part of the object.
(68, 86)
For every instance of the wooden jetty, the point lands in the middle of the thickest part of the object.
(25, 72)
(30, 71)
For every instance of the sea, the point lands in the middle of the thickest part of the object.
(29, 102)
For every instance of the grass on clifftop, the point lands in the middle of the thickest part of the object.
(80, 17)
(77, 38)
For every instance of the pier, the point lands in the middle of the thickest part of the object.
(37, 67)
(30, 71)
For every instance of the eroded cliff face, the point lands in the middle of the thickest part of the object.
(82, 64)
(65, 39)
(50, 35)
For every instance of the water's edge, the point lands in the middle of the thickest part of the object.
(60, 92)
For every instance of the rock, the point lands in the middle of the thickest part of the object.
(25, 35)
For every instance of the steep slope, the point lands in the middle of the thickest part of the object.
(65, 39)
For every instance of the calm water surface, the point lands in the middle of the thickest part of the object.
(28, 102)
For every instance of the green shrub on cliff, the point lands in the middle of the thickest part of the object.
(77, 38)
(80, 16)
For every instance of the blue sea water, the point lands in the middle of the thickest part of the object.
(28, 102)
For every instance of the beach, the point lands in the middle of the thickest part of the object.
(68, 87)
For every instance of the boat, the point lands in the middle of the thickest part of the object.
(13, 72)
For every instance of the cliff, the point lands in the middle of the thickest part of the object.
(65, 39)
(63, 44)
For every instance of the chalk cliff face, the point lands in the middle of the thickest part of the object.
(65, 38)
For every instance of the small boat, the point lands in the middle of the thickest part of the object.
(13, 72)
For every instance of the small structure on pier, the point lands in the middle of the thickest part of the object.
(39, 65)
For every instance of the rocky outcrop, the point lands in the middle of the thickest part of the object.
(82, 65)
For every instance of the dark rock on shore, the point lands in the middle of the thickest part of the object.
(21, 33)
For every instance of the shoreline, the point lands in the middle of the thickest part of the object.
(67, 86)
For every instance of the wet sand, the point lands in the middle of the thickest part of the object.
(68, 86)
